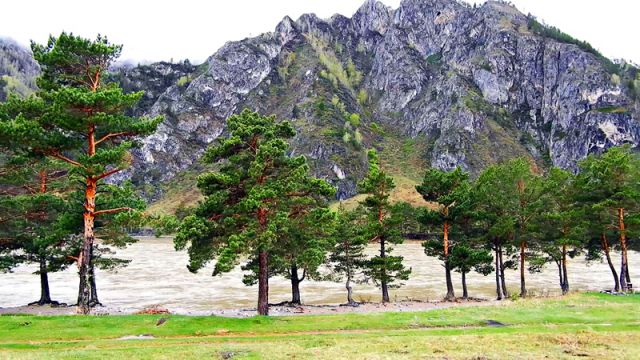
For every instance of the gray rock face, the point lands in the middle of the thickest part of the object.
(475, 82)
(476, 85)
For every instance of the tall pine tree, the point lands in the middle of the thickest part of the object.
(610, 189)
(384, 226)
(251, 201)
(347, 258)
(450, 192)
(79, 119)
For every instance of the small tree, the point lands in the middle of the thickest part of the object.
(450, 192)
(251, 200)
(347, 258)
(383, 225)
(465, 258)
(31, 230)
(80, 120)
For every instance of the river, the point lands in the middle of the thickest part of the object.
(157, 275)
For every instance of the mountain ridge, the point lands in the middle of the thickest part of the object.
(454, 84)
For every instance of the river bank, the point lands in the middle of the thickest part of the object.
(276, 310)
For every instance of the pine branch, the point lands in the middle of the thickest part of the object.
(113, 135)
(111, 211)
(57, 155)
(108, 173)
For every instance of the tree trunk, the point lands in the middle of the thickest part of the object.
(383, 282)
(295, 285)
(605, 248)
(263, 283)
(451, 296)
(499, 293)
(447, 269)
(502, 277)
(84, 260)
(560, 274)
(565, 277)
(465, 294)
(93, 300)
(45, 295)
(523, 288)
(624, 277)
(349, 291)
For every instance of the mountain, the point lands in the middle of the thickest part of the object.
(18, 69)
(432, 83)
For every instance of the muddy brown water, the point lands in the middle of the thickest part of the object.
(158, 275)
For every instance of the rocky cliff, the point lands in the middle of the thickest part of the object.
(469, 85)
(434, 82)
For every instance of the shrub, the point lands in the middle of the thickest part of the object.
(357, 137)
(362, 96)
(354, 120)
(434, 59)
(183, 80)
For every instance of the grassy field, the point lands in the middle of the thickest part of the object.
(579, 325)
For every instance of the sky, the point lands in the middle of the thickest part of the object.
(156, 30)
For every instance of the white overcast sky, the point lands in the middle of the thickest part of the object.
(164, 30)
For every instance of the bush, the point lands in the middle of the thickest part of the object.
(362, 96)
(357, 137)
(354, 120)
(376, 128)
(183, 80)
(434, 59)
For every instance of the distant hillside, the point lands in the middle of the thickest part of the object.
(18, 70)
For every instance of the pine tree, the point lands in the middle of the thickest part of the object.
(251, 200)
(31, 230)
(301, 251)
(450, 191)
(383, 225)
(611, 192)
(494, 216)
(77, 117)
(559, 227)
(465, 258)
(347, 258)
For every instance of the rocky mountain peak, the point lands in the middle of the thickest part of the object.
(432, 83)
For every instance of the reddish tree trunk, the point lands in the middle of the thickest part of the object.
(263, 283)
(84, 259)
(447, 269)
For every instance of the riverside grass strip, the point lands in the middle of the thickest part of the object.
(578, 325)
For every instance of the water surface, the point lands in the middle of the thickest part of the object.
(158, 275)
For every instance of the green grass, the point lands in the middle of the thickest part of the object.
(594, 325)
